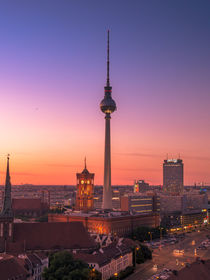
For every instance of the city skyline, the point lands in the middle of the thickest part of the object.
(52, 78)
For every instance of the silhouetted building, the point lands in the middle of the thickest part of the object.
(85, 190)
(173, 176)
(23, 237)
(141, 186)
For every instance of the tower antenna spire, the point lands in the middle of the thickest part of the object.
(107, 79)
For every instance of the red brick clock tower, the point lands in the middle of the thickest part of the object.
(85, 190)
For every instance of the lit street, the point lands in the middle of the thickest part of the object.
(165, 258)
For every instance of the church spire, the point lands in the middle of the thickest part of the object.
(8, 174)
(85, 163)
(7, 204)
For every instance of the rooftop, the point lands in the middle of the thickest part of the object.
(50, 236)
(12, 268)
(103, 256)
(103, 214)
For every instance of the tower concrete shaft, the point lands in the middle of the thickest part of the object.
(107, 192)
(108, 106)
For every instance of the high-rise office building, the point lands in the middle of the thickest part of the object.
(173, 176)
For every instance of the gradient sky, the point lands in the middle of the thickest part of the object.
(52, 74)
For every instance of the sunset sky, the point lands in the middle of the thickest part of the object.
(52, 78)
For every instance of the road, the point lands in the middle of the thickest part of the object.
(164, 257)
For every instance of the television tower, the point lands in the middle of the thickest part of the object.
(107, 106)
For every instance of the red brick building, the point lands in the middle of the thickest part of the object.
(121, 225)
(24, 237)
(85, 185)
(48, 237)
(29, 207)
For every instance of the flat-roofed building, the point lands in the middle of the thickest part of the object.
(187, 210)
(173, 176)
(141, 186)
(114, 222)
(142, 203)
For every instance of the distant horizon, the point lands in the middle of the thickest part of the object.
(52, 78)
(116, 185)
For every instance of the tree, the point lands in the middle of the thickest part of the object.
(147, 253)
(140, 256)
(57, 210)
(62, 266)
(145, 233)
(141, 233)
(42, 219)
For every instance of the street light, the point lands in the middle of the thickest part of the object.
(92, 273)
(161, 237)
(136, 249)
(150, 233)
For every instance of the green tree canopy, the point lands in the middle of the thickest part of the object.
(62, 266)
(145, 233)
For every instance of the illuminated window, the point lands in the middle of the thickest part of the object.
(2, 225)
(139, 205)
(137, 199)
(144, 211)
(10, 229)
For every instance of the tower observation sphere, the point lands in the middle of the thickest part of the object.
(107, 106)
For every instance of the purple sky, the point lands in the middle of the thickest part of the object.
(52, 74)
